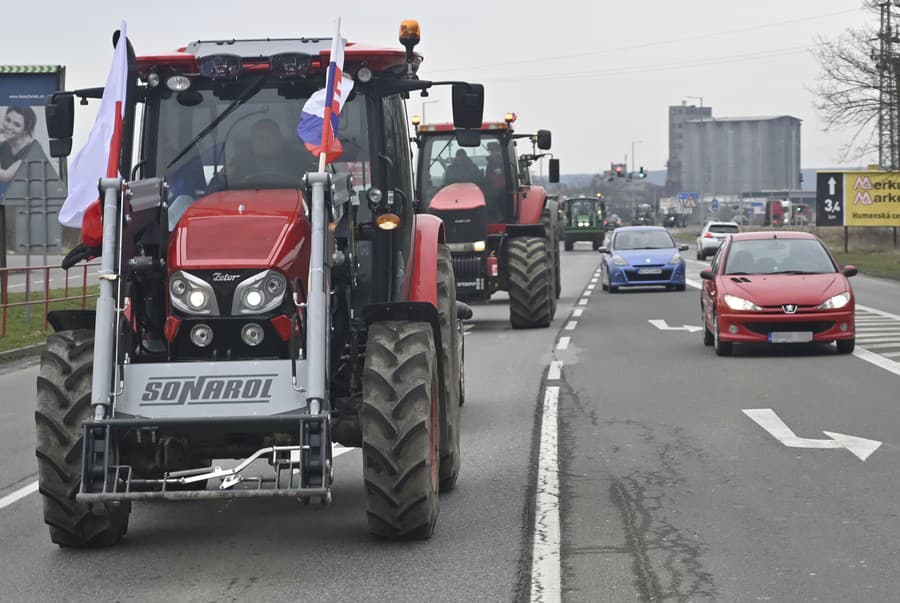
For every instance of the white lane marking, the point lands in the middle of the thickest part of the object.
(880, 344)
(692, 283)
(891, 354)
(877, 337)
(555, 371)
(878, 360)
(590, 287)
(878, 312)
(662, 325)
(563, 343)
(771, 422)
(337, 450)
(18, 494)
(583, 301)
(545, 558)
(571, 325)
(577, 312)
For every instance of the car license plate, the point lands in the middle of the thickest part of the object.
(649, 270)
(791, 337)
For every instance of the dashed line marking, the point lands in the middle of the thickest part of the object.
(545, 558)
(555, 371)
(571, 325)
(18, 494)
(563, 343)
(577, 312)
(583, 301)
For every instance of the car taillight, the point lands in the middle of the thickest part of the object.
(708, 236)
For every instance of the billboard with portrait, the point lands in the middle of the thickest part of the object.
(27, 173)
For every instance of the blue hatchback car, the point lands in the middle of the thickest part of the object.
(639, 256)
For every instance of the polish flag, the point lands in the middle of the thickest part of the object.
(100, 155)
(319, 119)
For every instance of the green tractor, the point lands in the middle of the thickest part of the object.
(584, 222)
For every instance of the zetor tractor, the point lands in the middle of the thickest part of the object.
(250, 312)
(501, 229)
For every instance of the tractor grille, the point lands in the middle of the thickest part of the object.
(764, 328)
(469, 271)
(464, 225)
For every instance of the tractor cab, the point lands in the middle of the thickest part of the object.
(584, 221)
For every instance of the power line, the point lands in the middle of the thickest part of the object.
(648, 44)
(637, 69)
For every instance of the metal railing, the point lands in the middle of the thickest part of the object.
(53, 283)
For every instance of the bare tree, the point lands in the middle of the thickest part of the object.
(856, 87)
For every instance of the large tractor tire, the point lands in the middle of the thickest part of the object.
(64, 402)
(452, 369)
(552, 236)
(400, 430)
(531, 295)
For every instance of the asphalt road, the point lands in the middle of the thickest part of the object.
(668, 491)
(279, 550)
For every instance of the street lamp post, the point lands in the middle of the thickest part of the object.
(633, 160)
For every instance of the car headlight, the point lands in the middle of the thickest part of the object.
(838, 301)
(192, 295)
(619, 260)
(262, 292)
(739, 303)
(675, 259)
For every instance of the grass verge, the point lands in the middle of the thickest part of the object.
(25, 327)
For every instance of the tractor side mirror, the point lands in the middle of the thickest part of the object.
(554, 170)
(544, 139)
(60, 114)
(468, 105)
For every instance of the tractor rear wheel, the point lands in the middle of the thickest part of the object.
(452, 370)
(531, 285)
(64, 403)
(400, 430)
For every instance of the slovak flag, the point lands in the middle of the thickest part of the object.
(100, 155)
(318, 125)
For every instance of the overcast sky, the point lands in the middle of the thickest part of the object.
(600, 75)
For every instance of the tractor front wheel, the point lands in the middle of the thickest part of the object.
(64, 403)
(531, 284)
(400, 430)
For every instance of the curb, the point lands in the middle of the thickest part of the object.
(19, 353)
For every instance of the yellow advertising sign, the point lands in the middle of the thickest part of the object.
(872, 198)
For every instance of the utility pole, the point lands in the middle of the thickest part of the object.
(888, 120)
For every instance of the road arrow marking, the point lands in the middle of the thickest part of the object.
(768, 420)
(831, 183)
(664, 326)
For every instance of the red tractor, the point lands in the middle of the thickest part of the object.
(502, 230)
(253, 306)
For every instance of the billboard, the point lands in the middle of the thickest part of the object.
(869, 198)
(27, 173)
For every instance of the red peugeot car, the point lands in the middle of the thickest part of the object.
(776, 287)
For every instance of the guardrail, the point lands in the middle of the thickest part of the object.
(55, 281)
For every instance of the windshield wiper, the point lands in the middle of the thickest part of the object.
(252, 89)
(795, 272)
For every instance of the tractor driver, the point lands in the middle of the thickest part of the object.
(462, 169)
(268, 161)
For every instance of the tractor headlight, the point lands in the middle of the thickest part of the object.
(262, 292)
(836, 302)
(192, 295)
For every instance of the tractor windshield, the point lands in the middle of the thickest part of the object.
(581, 207)
(217, 137)
(443, 162)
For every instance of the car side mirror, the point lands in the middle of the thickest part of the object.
(683, 248)
(603, 249)
(707, 275)
(850, 270)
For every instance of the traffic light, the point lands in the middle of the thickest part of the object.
(620, 172)
(641, 173)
